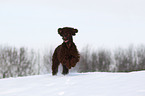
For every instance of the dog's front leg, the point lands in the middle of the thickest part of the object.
(73, 61)
(68, 65)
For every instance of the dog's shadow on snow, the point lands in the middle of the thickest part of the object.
(69, 75)
(75, 74)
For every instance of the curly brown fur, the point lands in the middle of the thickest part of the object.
(66, 53)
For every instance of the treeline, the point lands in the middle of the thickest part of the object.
(16, 62)
(119, 60)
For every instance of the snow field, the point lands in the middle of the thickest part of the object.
(76, 84)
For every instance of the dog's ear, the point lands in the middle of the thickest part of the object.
(60, 31)
(74, 32)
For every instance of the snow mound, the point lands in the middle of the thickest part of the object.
(76, 84)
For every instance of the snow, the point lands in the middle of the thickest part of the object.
(76, 84)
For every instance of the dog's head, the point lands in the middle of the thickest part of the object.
(67, 33)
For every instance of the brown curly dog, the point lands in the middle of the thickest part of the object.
(66, 53)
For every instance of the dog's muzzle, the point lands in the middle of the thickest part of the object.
(66, 39)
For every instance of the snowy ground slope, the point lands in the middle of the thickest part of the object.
(76, 84)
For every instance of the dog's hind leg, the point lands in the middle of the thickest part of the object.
(55, 64)
(65, 70)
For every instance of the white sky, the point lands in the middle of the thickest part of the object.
(101, 23)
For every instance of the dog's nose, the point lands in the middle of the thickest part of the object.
(65, 38)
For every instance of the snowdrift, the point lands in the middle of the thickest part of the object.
(76, 84)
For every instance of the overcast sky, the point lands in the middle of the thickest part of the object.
(101, 23)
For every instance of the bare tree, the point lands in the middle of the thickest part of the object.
(84, 60)
(47, 61)
(141, 58)
(104, 60)
(8, 60)
(94, 59)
